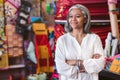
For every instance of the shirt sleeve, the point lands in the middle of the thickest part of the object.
(95, 65)
(62, 67)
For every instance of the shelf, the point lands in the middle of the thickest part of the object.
(17, 66)
(92, 21)
(13, 67)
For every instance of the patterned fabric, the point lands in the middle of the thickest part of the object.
(98, 8)
(3, 45)
(43, 51)
(11, 9)
(59, 30)
(14, 41)
(1, 18)
(115, 66)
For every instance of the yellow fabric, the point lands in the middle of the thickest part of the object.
(4, 60)
(39, 28)
(44, 54)
(115, 66)
(43, 60)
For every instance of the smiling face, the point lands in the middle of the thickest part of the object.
(76, 19)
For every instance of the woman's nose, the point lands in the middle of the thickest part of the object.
(73, 18)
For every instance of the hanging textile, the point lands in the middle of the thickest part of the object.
(102, 31)
(3, 45)
(59, 30)
(43, 51)
(11, 10)
(98, 8)
(14, 42)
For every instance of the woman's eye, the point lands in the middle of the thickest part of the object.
(75, 16)
(70, 16)
(78, 16)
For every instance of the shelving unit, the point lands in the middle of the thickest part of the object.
(92, 21)
(16, 70)
(16, 67)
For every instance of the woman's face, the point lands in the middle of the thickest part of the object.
(76, 19)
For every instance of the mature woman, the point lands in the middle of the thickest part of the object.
(79, 53)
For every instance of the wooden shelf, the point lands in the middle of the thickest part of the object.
(13, 67)
(17, 66)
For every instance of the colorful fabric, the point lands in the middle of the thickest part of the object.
(55, 76)
(39, 28)
(45, 59)
(59, 30)
(1, 19)
(3, 44)
(115, 66)
(14, 41)
(97, 8)
(11, 9)
(43, 50)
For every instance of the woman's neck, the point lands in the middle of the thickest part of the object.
(77, 33)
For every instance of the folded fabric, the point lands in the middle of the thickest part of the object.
(115, 66)
(108, 44)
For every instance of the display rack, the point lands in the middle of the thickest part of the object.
(92, 21)
(16, 68)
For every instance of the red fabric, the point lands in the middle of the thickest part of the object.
(59, 30)
(43, 40)
(36, 49)
(102, 31)
(97, 8)
(62, 8)
(64, 3)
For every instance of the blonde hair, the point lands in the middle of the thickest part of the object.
(86, 13)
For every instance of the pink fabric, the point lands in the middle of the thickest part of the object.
(102, 31)
(116, 56)
(11, 9)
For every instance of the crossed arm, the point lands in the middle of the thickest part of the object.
(79, 63)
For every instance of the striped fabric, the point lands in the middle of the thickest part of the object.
(43, 51)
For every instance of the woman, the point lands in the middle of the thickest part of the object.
(79, 53)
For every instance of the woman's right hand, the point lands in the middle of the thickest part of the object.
(71, 62)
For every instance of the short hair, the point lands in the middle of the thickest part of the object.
(86, 13)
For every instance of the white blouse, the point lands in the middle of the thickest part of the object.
(68, 48)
